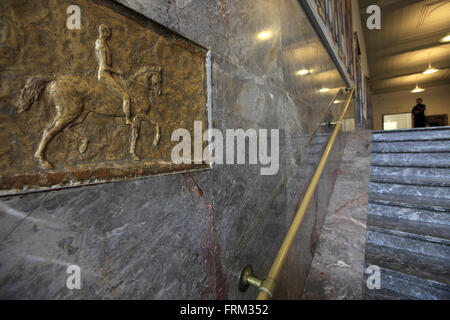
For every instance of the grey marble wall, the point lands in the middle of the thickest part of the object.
(187, 236)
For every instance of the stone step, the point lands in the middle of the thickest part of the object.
(410, 190)
(408, 222)
(425, 134)
(323, 139)
(431, 160)
(413, 129)
(416, 176)
(422, 203)
(411, 229)
(315, 148)
(413, 264)
(411, 147)
(416, 243)
(384, 294)
(412, 214)
(396, 285)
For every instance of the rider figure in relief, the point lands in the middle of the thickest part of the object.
(105, 70)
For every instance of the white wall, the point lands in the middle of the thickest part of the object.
(437, 100)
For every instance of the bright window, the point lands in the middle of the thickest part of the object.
(397, 121)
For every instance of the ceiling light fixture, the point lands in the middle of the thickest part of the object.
(445, 38)
(417, 89)
(430, 69)
(323, 90)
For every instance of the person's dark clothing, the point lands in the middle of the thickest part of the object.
(419, 115)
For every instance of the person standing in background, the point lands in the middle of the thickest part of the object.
(419, 114)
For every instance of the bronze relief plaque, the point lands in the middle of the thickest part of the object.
(91, 92)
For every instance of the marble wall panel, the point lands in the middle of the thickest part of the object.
(187, 236)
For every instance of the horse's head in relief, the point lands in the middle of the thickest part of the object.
(156, 79)
(150, 77)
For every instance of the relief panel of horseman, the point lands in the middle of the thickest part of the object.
(76, 96)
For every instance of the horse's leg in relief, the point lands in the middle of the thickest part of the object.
(157, 134)
(58, 124)
(84, 141)
(134, 137)
(39, 154)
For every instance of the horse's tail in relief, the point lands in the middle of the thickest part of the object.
(31, 91)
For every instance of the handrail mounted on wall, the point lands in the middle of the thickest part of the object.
(266, 287)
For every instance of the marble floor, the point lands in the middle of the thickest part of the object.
(336, 272)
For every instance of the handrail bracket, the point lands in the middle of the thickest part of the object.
(247, 278)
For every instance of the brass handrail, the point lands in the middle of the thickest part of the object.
(266, 287)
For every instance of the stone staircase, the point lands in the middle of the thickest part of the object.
(408, 225)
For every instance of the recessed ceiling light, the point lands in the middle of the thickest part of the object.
(303, 72)
(264, 35)
(324, 90)
(337, 101)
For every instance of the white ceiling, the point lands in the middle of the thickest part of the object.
(408, 39)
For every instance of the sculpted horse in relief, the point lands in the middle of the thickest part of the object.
(76, 96)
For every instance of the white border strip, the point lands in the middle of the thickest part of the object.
(209, 98)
